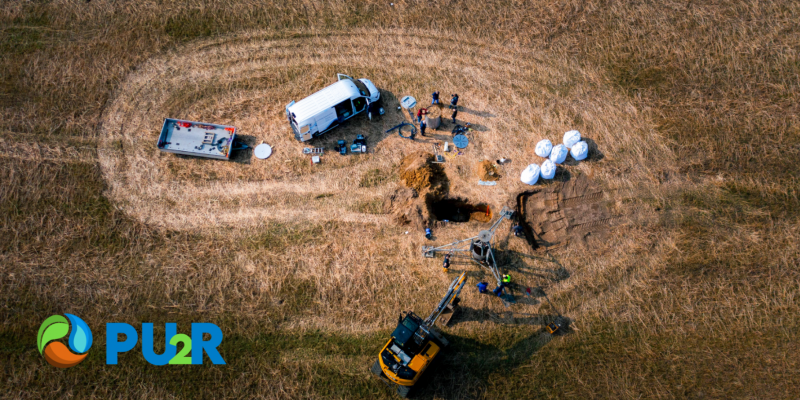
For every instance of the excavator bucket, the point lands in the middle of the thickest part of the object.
(448, 314)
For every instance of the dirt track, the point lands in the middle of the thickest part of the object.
(246, 81)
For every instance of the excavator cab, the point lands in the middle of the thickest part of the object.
(414, 344)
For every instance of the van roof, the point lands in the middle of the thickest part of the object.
(324, 99)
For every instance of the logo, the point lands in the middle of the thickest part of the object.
(191, 353)
(203, 339)
(57, 354)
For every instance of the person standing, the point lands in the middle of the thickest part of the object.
(435, 98)
(454, 101)
(498, 291)
(455, 112)
(506, 280)
(422, 126)
(420, 113)
(428, 233)
(446, 262)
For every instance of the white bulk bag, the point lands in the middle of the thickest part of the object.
(579, 151)
(548, 170)
(530, 175)
(571, 137)
(543, 148)
(559, 154)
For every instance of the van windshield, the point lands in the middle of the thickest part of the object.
(361, 88)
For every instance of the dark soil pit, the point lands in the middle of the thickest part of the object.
(457, 210)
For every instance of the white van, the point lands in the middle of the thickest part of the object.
(326, 109)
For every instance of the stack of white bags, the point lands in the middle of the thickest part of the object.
(557, 154)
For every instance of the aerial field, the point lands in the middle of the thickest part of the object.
(672, 250)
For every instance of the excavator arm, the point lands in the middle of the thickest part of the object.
(449, 297)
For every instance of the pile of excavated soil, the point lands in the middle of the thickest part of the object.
(487, 171)
(425, 183)
(418, 172)
(565, 212)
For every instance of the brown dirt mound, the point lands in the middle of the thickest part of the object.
(564, 212)
(487, 171)
(419, 173)
(407, 207)
(423, 200)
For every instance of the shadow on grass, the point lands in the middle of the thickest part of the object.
(468, 364)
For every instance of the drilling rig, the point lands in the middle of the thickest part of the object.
(478, 247)
(415, 343)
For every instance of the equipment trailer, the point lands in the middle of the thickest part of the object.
(199, 139)
(415, 343)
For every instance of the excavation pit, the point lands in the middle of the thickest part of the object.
(457, 210)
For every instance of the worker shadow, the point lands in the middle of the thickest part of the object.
(448, 126)
(469, 364)
(467, 314)
(482, 114)
(516, 261)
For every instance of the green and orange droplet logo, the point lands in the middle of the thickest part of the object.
(56, 353)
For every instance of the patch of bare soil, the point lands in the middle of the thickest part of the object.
(565, 212)
(418, 172)
(423, 199)
(425, 183)
(487, 171)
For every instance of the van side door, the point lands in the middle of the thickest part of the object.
(344, 110)
(359, 103)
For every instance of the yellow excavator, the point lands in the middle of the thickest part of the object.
(415, 343)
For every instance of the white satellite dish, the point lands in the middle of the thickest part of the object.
(263, 151)
(408, 102)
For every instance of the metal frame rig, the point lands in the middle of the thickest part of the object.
(479, 247)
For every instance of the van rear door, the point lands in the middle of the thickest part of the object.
(292, 122)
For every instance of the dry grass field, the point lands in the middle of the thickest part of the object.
(691, 109)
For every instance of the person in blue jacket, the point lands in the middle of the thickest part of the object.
(454, 101)
(435, 97)
(482, 287)
(498, 291)
(428, 233)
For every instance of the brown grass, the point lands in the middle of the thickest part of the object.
(692, 107)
